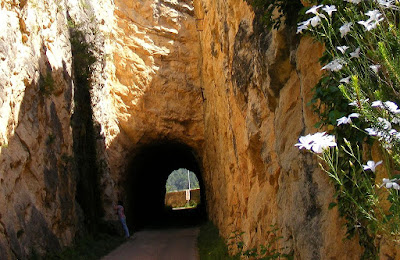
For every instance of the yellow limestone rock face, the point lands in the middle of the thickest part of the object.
(37, 173)
(256, 85)
(36, 191)
(156, 84)
(153, 80)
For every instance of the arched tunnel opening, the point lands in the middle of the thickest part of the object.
(145, 186)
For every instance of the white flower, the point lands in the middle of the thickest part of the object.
(355, 102)
(390, 183)
(345, 29)
(316, 19)
(355, 115)
(395, 120)
(385, 124)
(346, 80)
(375, 68)
(334, 65)
(377, 103)
(373, 131)
(329, 9)
(368, 25)
(313, 9)
(347, 120)
(342, 49)
(316, 142)
(373, 21)
(371, 165)
(305, 142)
(388, 4)
(374, 16)
(303, 26)
(322, 141)
(354, 1)
(343, 120)
(356, 53)
(392, 107)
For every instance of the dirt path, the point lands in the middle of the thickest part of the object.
(166, 244)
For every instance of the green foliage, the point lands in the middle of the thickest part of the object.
(287, 11)
(191, 204)
(359, 199)
(83, 127)
(356, 194)
(178, 180)
(211, 245)
(83, 57)
(270, 250)
(46, 84)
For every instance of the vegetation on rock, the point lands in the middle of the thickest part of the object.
(274, 13)
(360, 88)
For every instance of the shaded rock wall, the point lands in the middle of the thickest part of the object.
(37, 186)
(38, 179)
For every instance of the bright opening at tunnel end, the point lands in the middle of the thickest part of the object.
(182, 190)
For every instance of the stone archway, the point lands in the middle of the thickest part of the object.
(146, 176)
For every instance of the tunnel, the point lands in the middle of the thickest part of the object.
(146, 177)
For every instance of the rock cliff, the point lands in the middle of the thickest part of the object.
(85, 85)
(257, 85)
(37, 194)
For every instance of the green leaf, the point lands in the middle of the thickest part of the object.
(332, 205)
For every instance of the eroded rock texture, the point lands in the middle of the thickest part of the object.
(257, 84)
(38, 210)
(37, 190)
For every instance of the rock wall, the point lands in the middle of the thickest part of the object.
(36, 182)
(256, 85)
(154, 84)
(38, 211)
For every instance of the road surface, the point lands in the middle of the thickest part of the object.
(164, 244)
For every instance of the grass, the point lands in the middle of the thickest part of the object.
(91, 247)
(211, 245)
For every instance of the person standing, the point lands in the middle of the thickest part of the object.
(121, 216)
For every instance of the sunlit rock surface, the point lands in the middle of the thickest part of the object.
(37, 208)
(154, 81)
(257, 85)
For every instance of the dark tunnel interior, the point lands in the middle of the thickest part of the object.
(147, 174)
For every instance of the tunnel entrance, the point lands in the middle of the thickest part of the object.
(145, 186)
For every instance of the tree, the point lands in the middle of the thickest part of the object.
(178, 180)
